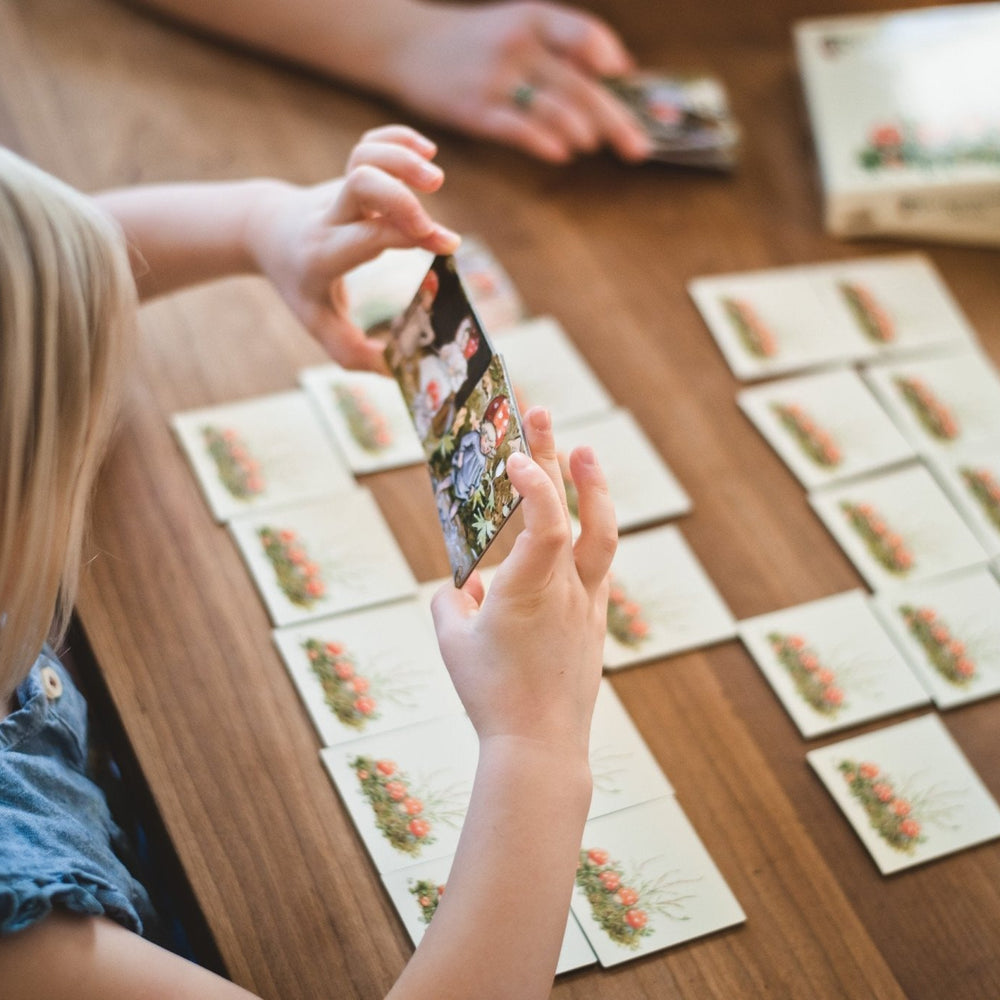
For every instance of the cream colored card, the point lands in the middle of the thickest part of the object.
(407, 790)
(941, 401)
(831, 663)
(949, 630)
(661, 601)
(826, 427)
(909, 792)
(417, 890)
(317, 559)
(898, 527)
(368, 671)
(646, 882)
(366, 415)
(260, 453)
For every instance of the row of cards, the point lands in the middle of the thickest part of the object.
(900, 456)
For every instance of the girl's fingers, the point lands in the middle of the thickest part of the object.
(598, 537)
(542, 444)
(399, 161)
(402, 135)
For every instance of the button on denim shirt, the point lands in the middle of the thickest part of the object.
(57, 838)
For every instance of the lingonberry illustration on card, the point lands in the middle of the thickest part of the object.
(970, 475)
(909, 792)
(831, 663)
(368, 671)
(407, 790)
(661, 600)
(260, 453)
(898, 527)
(899, 303)
(776, 322)
(320, 558)
(645, 882)
(417, 890)
(949, 630)
(942, 400)
(366, 415)
(826, 427)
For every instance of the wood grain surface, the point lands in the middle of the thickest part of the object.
(103, 95)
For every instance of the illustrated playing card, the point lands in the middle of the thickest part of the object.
(909, 793)
(687, 119)
(438, 350)
(898, 527)
(949, 630)
(366, 415)
(900, 303)
(941, 400)
(380, 289)
(368, 671)
(970, 475)
(495, 299)
(831, 663)
(407, 790)
(645, 882)
(625, 772)
(547, 370)
(416, 891)
(260, 453)
(317, 559)
(468, 466)
(661, 600)
(642, 487)
(776, 321)
(826, 427)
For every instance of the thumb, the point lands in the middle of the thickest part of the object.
(452, 607)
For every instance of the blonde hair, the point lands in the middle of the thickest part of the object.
(67, 307)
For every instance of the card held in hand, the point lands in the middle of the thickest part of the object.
(462, 405)
(687, 119)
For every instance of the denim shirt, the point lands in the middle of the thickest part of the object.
(57, 837)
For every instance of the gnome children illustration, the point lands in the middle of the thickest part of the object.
(473, 451)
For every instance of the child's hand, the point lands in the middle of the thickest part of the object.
(527, 660)
(305, 239)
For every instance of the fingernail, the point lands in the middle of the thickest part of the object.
(517, 460)
(431, 171)
(448, 235)
(585, 455)
(540, 419)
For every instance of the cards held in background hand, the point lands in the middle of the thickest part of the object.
(686, 118)
(464, 411)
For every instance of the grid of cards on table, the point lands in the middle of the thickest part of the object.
(889, 416)
(354, 629)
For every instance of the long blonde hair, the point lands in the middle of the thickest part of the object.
(67, 309)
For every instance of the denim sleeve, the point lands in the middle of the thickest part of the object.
(57, 837)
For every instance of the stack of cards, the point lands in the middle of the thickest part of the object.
(687, 119)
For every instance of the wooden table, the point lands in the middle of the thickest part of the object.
(103, 96)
